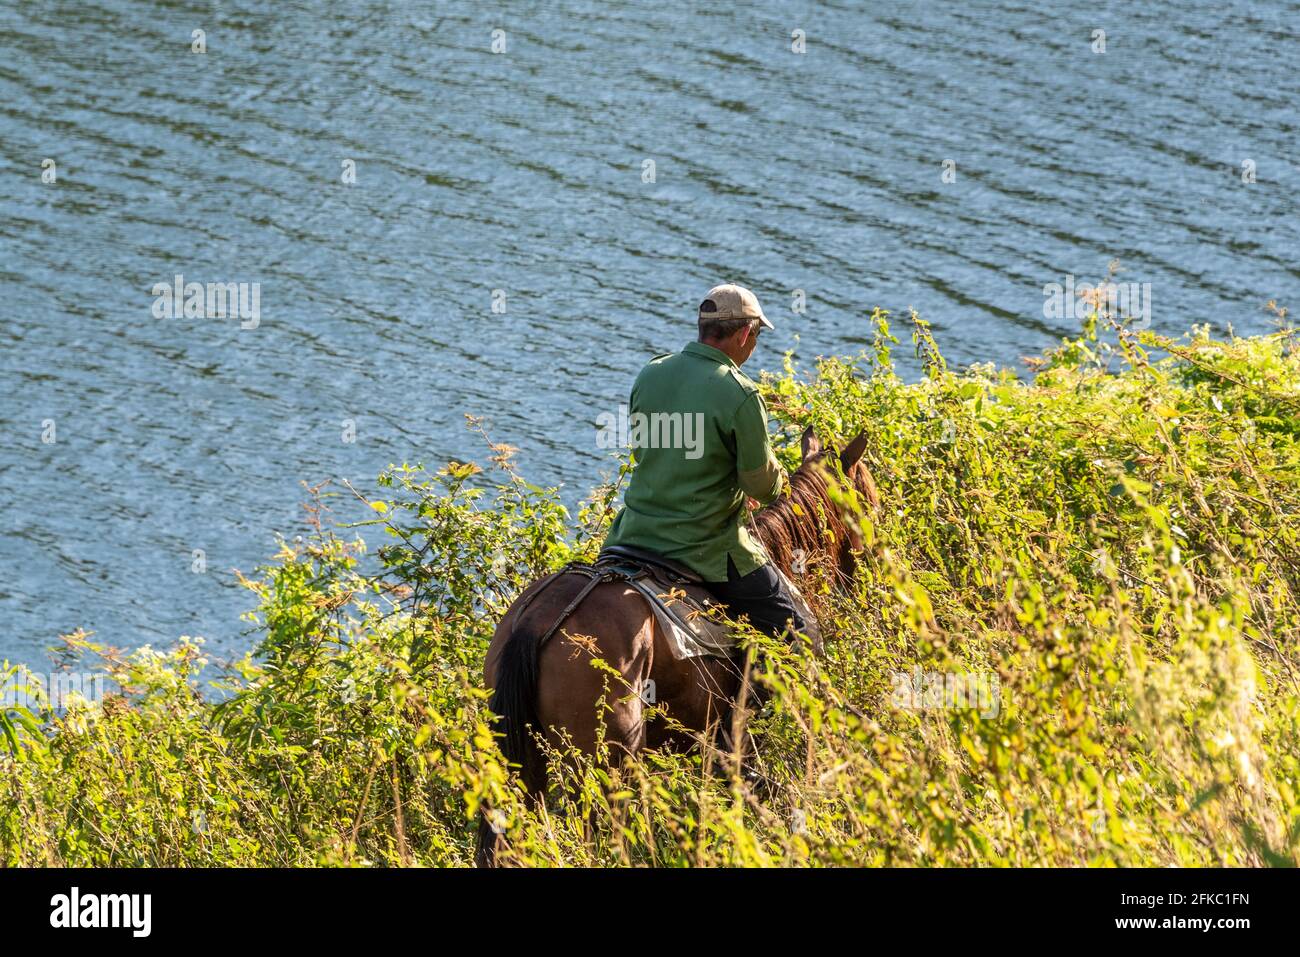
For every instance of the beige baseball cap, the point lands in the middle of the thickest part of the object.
(730, 301)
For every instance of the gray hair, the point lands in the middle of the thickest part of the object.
(711, 330)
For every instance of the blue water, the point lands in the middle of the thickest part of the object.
(524, 171)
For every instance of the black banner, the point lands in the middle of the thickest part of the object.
(132, 907)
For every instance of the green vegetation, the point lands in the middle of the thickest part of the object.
(1116, 540)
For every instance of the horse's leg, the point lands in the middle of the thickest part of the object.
(612, 624)
(698, 693)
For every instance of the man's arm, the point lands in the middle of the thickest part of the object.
(759, 473)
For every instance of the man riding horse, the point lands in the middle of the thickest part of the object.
(688, 506)
(682, 517)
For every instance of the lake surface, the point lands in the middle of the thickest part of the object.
(519, 179)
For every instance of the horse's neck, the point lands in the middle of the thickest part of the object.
(762, 530)
(782, 532)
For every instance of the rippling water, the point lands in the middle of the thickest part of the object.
(525, 171)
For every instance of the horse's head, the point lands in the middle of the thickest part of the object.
(804, 528)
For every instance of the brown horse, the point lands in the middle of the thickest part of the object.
(554, 690)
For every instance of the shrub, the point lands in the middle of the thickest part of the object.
(1110, 545)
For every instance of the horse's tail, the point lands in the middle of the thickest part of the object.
(514, 702)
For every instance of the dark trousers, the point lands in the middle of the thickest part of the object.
(761, 596)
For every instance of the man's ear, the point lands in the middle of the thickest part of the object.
(853, 452)
(810, 445)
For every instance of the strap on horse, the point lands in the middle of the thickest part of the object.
(595, 577)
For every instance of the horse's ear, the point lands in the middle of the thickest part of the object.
(810, 444)
(853, 451)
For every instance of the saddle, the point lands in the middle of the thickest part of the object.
(677, 598)
(683, 612)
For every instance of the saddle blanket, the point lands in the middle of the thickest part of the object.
(682, 606)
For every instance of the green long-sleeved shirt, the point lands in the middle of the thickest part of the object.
(698, 428)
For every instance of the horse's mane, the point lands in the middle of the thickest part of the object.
(806, 520)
